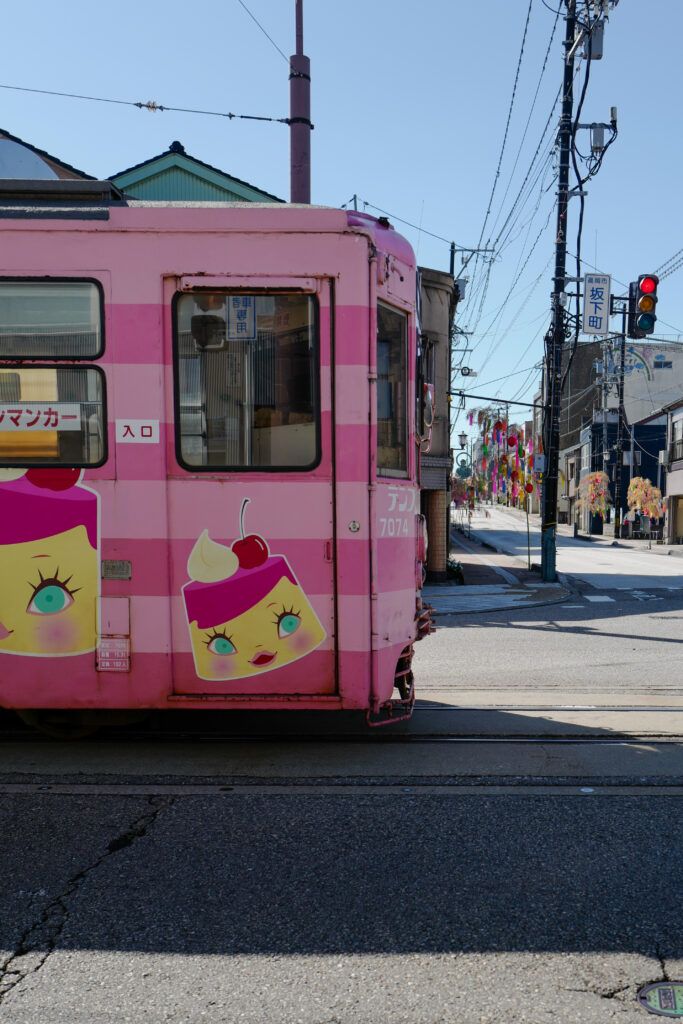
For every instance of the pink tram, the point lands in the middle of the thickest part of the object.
(209, 456)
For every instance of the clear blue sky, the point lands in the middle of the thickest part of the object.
(410, 104)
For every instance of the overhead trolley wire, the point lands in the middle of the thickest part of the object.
(151, 105)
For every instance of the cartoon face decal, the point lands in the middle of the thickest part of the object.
(246, 611)
(50, 567)
(278, 629)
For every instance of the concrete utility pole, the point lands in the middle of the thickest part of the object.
(300, 116)
(555, 336)
(620, 430)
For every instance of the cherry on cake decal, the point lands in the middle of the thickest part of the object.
(49, 563)
(246, 611)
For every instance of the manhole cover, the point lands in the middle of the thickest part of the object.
(664, 998)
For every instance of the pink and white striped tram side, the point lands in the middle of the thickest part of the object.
(208, 462)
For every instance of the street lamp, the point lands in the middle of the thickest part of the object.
(463, 461)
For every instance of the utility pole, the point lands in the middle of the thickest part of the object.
(300, 116)
(605, 454)
(555, 336)
(620, 430)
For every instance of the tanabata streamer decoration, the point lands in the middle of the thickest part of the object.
(594, 493)
(645, 498)
(512, 441)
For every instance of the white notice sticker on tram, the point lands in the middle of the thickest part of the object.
(137, 431)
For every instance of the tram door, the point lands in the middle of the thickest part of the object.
(250, 491)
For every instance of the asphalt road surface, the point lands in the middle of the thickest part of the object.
(273, 906)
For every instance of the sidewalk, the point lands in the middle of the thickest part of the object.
(607, 538)
(493, 582)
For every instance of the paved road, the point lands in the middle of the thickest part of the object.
(286, 906)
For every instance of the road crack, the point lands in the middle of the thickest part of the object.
(40, 939)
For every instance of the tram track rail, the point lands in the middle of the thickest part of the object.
(423, 727)
(355, 788)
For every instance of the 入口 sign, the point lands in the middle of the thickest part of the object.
(137, 431)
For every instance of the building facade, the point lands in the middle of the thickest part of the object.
(438, 297)
(175, 176)
(673, 459)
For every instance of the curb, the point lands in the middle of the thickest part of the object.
(567, 592)
(570, 590)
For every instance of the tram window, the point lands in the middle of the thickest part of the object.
(392, 391)
(50, 319)
(52, 416)
(246, 371)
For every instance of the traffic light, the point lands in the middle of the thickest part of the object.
(642, 301)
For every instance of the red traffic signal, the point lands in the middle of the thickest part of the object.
(642, 299)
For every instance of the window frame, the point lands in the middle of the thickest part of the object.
(390, 473)
(49, 279)
(52, 462)
(215, 469)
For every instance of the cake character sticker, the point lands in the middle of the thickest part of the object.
(246, 611)
(49, 562)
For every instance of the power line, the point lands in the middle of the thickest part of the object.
(392, 216)
(659, 270)
(528, 120)
(151, 105)
(508, 375)
(507, 126)
(257, 22)
(475, 290)
(672, 269)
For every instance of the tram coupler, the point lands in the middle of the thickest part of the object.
(398, 709)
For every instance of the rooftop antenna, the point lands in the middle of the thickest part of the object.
(300, 116)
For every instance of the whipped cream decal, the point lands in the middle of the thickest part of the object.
(246, 611)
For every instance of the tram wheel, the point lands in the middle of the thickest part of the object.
(403, 679)
(62, 725)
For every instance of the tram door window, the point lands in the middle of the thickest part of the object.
(392, 391)
(246, 370)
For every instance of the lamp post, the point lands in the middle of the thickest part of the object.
(464, 463)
